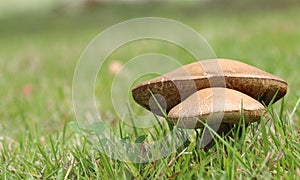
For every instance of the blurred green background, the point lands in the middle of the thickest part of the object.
(41, 42)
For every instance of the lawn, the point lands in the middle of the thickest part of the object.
(38, 55)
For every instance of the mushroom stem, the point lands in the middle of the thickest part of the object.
(207, 142)
(224, 132)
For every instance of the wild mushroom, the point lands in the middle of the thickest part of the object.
(177, 86)
(202, 104)
(220, 108)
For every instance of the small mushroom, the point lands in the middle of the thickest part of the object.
(203, 105)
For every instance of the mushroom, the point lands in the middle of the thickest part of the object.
(220, 108)
(205, 102)
(175, 92)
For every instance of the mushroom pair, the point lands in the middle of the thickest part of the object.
(216, 91)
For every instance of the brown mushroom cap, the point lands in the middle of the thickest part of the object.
(176, 86)
(210, 104)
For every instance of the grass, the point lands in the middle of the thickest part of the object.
(37, 60)
(270, 150)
